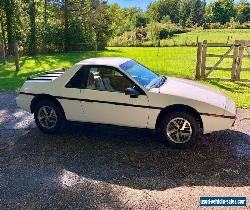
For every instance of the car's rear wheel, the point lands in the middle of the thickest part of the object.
(49, 117)
(180, 129)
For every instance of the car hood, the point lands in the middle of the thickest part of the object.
(193, 90)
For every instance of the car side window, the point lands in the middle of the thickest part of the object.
(107, 79)
(79, 80)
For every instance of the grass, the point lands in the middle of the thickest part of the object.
(191, 38)
(171, 61)
(215, 35)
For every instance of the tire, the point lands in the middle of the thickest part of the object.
(180, 130)
(49, 117)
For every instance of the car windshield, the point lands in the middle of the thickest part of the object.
(143, 75)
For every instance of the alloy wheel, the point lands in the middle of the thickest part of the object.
(179, 130)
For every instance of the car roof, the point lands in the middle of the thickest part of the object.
(106, 61)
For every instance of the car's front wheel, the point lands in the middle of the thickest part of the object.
(48, 116)
(180, 129)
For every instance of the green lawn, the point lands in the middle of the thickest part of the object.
(172, 61)
(215, 35)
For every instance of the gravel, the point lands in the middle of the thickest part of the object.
(107, 167)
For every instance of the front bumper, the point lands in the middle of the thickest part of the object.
(230, 109)
(213, 123)
(216, 123)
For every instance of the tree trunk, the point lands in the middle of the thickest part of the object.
(2, 40)
(45, 26)
(66, 27)
(16, 56)
(3, 32)
(32, 40)
(8, 8)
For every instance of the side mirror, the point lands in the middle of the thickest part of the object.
(132, 92)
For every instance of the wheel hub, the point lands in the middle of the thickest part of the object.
(179, 130)
(47, 117)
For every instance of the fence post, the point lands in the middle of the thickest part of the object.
(16, 56)
(238, 70)
(203, 59)
(198, 62)
(235, 60)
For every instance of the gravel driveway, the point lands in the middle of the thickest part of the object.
(107, 167)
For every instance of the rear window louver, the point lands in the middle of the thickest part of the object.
(48, 75)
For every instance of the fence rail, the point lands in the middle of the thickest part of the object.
(237, 49)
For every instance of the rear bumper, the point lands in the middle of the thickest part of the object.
(24, 101)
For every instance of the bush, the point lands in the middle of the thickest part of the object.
(233, 24)
(148, 36)
(127, 39)
(214, 26)
(163, 30)
(246, 25)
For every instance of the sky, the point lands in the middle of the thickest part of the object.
(134, 3)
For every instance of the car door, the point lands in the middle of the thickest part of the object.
(103, 100)
(69, 95)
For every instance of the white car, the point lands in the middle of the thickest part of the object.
(120, 91)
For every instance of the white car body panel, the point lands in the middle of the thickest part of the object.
(131, 116)
(194, 91)
(216, 110)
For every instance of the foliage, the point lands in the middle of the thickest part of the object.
(54, 25)
(243, 11)
(161, 8)
(192, 12)
(129, 38)
(186, 39)
(148, 36)
(165, 19)
(220, 11)
(163, 30)
(42, 26)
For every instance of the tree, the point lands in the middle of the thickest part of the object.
(9, 14)
(243, 11)
(185, 11)
(192, 12)
(100, 22)
(66, 26)
(32, 35)
(153, 12)
(2, 21)
(134, 17)
(220, 11)
(161, 8)
(139, 20)
(197, 12)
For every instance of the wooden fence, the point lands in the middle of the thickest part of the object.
(235, 52)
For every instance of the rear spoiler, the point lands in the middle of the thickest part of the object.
(48, 75)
